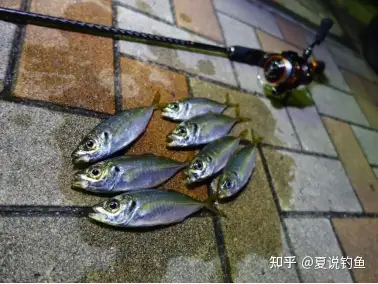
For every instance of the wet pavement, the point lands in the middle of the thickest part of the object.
(313, 194)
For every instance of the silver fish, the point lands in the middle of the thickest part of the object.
(114, 134)
(190, 107)
(147, 207)
(237, 171)
(202, 130)
(212, 158)
(127, 173)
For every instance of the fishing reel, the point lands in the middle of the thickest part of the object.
(280, 72)
(285, 71)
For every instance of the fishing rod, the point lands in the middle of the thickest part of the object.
(282, 72)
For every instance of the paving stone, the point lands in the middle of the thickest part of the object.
(160, 8)
(292, 33)
(314, 238)
(372, 90)
(271, 123)
(140, 82)
(355, 163)
(314, 183)
(198, 16)
(253, 236)
(12, 4)
(366, 100)
(311, 131)
(53, 249)
(338, 104)
(332, 72)
(238, 33)
(132, 20)
(359, 238)
(368, 140)
(348, 60)
(250, 13)
(6, 37)
(272, 44)
(208, 66)
(68, 68)
(376, 171)
(312, 11)
(35, 155)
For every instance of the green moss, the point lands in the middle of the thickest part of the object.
(145, 7)
(360, 10)
(299, 98)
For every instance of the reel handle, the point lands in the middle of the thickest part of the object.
(323, 31)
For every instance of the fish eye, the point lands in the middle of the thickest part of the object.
(90, 144)
(197, 165)
(227, 184)
(113, 204)
(174, 106)
(95, 172)
(181, 130)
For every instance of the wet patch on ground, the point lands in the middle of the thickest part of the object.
(143, 6)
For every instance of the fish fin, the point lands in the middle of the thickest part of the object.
(156, 102)
(239, 117)
(256, 139)
(228, 101)
(210, 206)
(244, 135)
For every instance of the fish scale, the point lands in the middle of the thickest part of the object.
(201, 130)
(148, 207)
(127, 173)
(191, 107)
(114, 134)
(213, 157)
(235, 174)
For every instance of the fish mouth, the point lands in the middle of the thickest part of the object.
(79, 182)
(171, 141)
(99, 217)
(222, 196)
(190, 177)
(78, 158)
(164, 112)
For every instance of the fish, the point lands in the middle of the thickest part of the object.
(148, 208)
(114, 134)
(126, 173)
(212, 158)
(188, 108)
(237, 171)
(202, 129)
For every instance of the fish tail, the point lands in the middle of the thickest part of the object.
(244, 135)
(228, 101)
(239, 117)
(256, 139)
(156, 102)
(209, 204)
